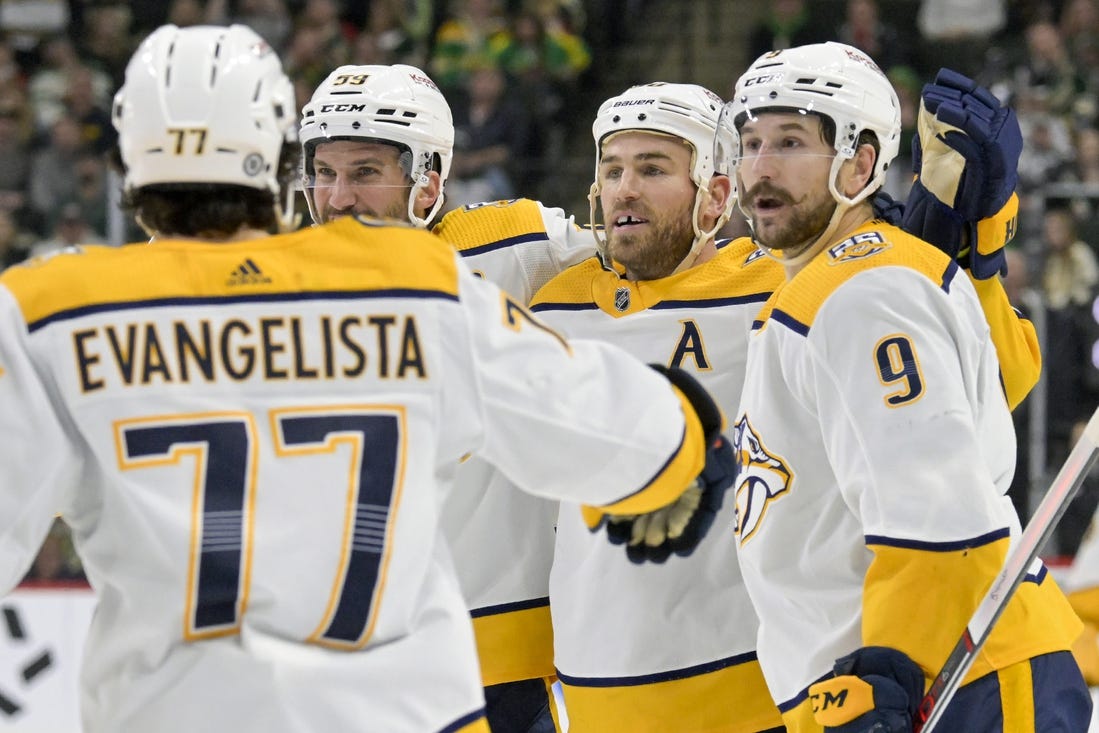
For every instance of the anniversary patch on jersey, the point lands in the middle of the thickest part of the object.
(761, 477)
(857, 247)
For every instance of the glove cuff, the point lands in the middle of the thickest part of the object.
(991, 235)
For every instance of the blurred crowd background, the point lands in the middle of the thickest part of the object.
(524, 78)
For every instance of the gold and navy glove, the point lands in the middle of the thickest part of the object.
(966, 159)
(679, 526)
(876, 689)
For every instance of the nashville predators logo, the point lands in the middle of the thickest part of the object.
(760, 478)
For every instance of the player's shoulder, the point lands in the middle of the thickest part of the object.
(576, 284)
(870, 257)
(65, 274)
(365, 253)
(478, 227)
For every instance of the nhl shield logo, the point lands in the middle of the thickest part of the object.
(622, 299)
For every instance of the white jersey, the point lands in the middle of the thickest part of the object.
(251, 441)
(502, 539)
(875, 448)
(620, 624)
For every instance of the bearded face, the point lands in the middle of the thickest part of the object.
(647, 198)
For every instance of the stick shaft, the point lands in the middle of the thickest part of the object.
(1019, 559)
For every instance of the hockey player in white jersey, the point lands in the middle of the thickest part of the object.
(378, 141)
(874, 441)
(657, 646)
(250, 434)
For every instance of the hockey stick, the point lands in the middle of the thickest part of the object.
(1018, 560)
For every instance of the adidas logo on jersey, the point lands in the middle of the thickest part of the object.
(247, 273)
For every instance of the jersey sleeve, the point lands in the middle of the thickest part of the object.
(906, 392)
(1015, 339)
(39, 459)
(581, 421)
(518, 244)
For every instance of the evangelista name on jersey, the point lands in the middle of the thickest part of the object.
(274, 348)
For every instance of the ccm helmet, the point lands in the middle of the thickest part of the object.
(398, 105)
(831, 79)
(204, 104)
(686, 111)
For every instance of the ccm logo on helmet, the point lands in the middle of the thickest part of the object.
(343, 107)
(765, 79)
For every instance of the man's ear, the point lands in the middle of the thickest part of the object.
(427, 195)
(862, 169)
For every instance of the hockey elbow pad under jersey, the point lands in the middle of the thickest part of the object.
(680, 526)
(966, 158)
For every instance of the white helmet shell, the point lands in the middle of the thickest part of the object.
(397, 104)
(687, 111)
(830, 79)
(204, 104)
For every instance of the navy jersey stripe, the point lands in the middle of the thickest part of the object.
(509, 607)
(648, 679)
(503, 243)
(85, 310)
(790, 322)
(906, 544)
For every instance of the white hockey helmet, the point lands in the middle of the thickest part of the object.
(831, 79)
(398, 105)
(204, 104)
(686, 111)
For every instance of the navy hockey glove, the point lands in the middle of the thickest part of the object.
(680, 526)
(966, 158)
(887, 208)
(875, 690)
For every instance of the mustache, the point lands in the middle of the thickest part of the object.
(766, 189)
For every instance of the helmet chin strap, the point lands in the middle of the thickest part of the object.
(418, 186)
(701, 237)
(287, 217)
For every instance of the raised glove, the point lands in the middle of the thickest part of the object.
(887, 208)
(966, 156)
(875, 690)
(680, 526)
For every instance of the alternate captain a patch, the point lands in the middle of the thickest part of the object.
(857, 247)
(761, 477)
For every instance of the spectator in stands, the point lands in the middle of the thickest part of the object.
(1069, 281)
(463, 41)
(490, 137)
(1047, 72)
(959, 30)
(52, 181)
(15, 154)
(864, 29)
(71, 229)
(14, 243)
(787, 23)
(50, 82)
